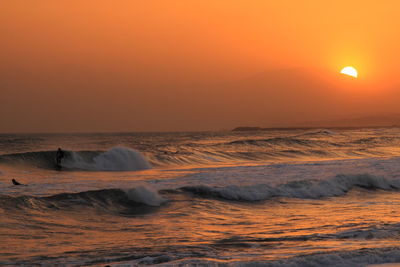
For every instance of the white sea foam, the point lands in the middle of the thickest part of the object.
(146, 195)
(115, 159)
(336, 186)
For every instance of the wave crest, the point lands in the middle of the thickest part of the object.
(115, 159)
(130, 201)
(306, 189)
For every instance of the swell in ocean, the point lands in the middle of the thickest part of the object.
(124, 202)
(127, 201)
(317, 145)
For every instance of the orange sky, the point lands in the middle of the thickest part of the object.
(98, 65)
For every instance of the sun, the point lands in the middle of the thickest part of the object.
(349, 71)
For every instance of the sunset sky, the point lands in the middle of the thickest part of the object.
(96, 65)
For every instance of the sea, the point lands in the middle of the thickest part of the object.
(316, 197)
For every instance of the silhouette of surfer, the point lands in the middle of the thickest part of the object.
(15, 182)
(59, 156)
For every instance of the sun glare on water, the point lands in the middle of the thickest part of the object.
(349, 71)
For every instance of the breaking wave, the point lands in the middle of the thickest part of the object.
(130, 201)
(305, 189)
(318, 145)
(115, 159)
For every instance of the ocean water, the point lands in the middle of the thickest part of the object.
(268, 198)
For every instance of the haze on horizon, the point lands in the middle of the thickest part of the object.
(97, 65)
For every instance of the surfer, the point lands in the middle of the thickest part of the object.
(15, 182)
(59, 157)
